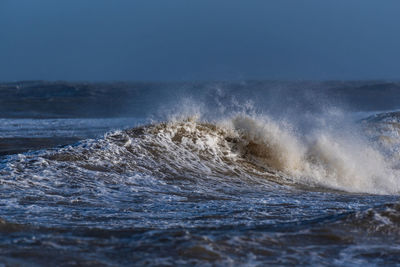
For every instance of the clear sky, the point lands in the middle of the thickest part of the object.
(103, 40)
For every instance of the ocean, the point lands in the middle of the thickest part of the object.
(248, 173)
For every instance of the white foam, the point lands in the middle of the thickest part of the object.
(337, 158)
(324, 150)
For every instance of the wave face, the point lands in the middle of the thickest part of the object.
(197, 190)
(240, 147)
(323, 157)
(246, 147)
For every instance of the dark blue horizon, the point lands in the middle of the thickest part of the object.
(179, 40)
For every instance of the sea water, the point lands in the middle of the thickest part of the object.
(236, 185)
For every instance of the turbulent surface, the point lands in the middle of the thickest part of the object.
(21, 135)
(241, 190)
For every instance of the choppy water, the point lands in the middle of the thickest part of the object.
(239, 188)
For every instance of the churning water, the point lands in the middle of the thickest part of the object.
(206, 186)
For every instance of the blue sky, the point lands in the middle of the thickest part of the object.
(157, 40)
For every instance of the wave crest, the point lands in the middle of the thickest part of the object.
(340, 160)
(242, 147)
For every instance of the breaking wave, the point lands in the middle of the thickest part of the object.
(242, 147)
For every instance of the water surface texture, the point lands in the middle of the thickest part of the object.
(228, 174)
